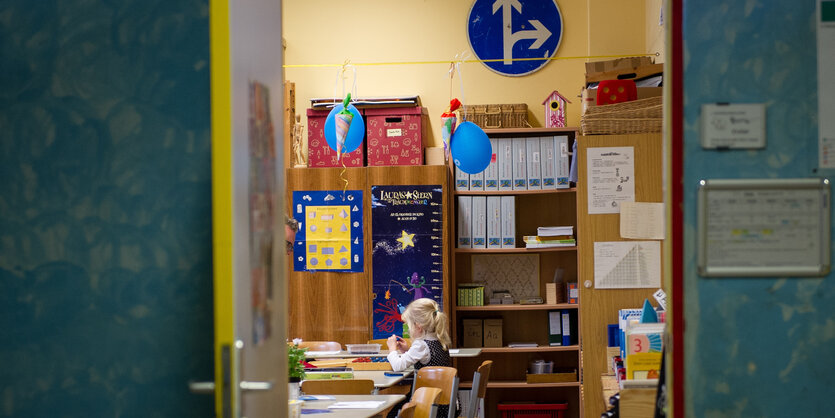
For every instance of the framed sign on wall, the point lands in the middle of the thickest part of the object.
(764, 227)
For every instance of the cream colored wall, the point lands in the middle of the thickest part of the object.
(373, 31)
(654, 31)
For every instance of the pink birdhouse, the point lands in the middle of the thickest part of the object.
(555, 110)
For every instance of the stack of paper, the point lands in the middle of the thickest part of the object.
(537, 241)
(551, 236)
(551, 231)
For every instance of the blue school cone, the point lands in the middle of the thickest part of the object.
(648, 316)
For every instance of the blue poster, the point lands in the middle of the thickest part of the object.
(407, 254)
(330, 231)
(513, 34)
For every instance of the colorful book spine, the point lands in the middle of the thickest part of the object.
(479, 220)
(533, 168)
(548, 166)
(465, 210)
(477, 181)
(508, 221)
(572, 292)
(494, 222)
(562, 170)
(491, 173)
(504, 158)
(555, 328)
(462, 180)
(520, 164)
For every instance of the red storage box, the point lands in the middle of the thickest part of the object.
(535, 410)
(319, 153)
(394, 136)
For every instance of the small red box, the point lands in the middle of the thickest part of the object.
(538, 410)
(319, 153)
(394, 136)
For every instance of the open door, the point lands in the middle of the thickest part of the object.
(247, 216)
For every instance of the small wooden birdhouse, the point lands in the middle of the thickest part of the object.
(555, 110)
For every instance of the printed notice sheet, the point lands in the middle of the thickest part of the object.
(627, 264)
(642, 220)
(767, 227)
(611, 178)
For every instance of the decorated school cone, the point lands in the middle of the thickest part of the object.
(448, 119)
(343, 123)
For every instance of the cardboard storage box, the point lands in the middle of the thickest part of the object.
(319, 153)
(564, 376)
(394, 135)
(492, 332)
(589, 96)
(473, 332)
(622, 68)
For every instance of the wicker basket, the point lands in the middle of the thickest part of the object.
(497, 115)
(637, 116)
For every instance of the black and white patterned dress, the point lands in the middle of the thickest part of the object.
(438, 356)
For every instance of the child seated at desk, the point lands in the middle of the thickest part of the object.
(430, 341)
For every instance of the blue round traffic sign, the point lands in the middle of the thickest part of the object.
(516, 36)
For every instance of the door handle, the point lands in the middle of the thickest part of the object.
(202, 388)
(208, 388)
(256, 386)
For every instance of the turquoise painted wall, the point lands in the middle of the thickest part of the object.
(754, 347)
(105, 216)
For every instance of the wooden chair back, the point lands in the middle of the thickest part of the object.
(321, 345)
(444, 378)
(338, 387)
(480, 378)
(408, 410)
(426, 400)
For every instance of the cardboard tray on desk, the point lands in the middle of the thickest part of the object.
(370, 366)
(552, 377)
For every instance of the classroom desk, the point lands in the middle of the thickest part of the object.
(389, 401)
(453, 352)
(381, 381)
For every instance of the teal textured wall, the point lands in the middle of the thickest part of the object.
(754, 347)
(105, 210)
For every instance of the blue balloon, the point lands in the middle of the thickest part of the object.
(470, 148)
(356, 132)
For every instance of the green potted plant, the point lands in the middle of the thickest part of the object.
(295, 368)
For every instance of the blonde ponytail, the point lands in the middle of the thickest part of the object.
(425, 313)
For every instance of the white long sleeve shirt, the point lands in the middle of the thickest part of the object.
(418, 352)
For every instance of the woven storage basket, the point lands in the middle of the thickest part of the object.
(637, 116)
(497, 115)
(620, 126)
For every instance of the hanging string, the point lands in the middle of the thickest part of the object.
(341, 75)
(467, 61)
(455, 65)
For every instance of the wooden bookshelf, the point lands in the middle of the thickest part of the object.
(507, 379)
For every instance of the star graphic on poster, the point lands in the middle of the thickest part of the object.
(405, 240)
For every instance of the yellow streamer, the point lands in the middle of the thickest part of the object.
(368, 64)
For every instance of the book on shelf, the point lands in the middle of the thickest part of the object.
(554, 328)
(562, 162)
(567, 243)
(523, 345)
(550, 231)
(545, 238)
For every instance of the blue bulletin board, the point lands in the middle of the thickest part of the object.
(330, 231)
(407, 254)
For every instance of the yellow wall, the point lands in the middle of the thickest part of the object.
(362, 31)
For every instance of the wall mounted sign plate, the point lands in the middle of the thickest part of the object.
(764, 227)
(733, 126)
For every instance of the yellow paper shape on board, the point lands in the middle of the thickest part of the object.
(328, 234)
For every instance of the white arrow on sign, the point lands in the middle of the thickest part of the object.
(540, 34)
